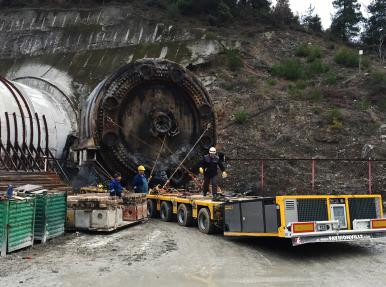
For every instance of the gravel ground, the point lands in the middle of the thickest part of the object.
(165, 254)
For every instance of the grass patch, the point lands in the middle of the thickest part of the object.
(316, 67)
(308, 51)
(363, 104)
(228, 86)
(241, 117)
(173, 10)
(315, 95)
(252, 80)
(291, 69)
(335, 119)
(378, 78)
(271, 82)
(316, 110)
(210, 36)
(382, 105)
(296, 90)
(332, 79)
(376, 85)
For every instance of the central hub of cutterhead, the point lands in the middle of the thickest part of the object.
(163, 123)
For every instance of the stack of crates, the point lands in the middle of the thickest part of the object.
(36, 217)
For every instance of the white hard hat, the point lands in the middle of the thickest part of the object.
(212, 150)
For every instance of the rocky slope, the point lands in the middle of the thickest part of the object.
(331, 112)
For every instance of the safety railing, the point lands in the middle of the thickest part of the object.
(317, 175)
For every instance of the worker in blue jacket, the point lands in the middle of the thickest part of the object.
(140, 182)
(115, 186)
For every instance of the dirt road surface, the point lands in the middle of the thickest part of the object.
(165, 254)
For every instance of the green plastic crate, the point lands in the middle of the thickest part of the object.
(50, 217)
(21, 217)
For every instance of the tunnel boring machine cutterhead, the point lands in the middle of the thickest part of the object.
(142, 105)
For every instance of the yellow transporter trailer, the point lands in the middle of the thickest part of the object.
(303, 219)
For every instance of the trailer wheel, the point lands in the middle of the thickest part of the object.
(166, 211)
(151, 208)
(205, 224)
(184, 215)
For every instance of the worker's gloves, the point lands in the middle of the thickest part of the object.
(201, 170)
(224, 174)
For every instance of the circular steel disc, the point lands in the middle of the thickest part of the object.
(145, 103)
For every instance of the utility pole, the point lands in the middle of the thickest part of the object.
(360, 60)
(380, 46)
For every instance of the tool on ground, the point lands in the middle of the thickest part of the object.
(187, 155)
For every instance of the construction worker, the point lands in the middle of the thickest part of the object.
(140, 182)
(115, 186)
(209, 168)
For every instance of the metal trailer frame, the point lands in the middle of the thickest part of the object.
(285, 227)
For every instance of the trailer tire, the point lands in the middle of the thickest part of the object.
(205, 224)
(151, 208)
(184, 215)
(166, 211)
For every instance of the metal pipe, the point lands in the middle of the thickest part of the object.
(313, 174)
(370, 177)
(262, 176)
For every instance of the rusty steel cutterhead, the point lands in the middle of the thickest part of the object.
(142, 103)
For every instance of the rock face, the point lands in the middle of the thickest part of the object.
(76, 49)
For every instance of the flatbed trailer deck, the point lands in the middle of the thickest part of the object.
(300, 218)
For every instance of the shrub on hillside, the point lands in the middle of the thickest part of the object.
(347, 58)
(296, 90)
(241, 117)
(302, 50)
(335, 118)
(332, 78)
(291, 69)
(315, 95)
(308, 51)
(376, 86)
(363, 104)
(172, 10)
(316, 67)
(234, 60)
(271, 82)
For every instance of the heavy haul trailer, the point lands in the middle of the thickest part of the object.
(302, 219)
